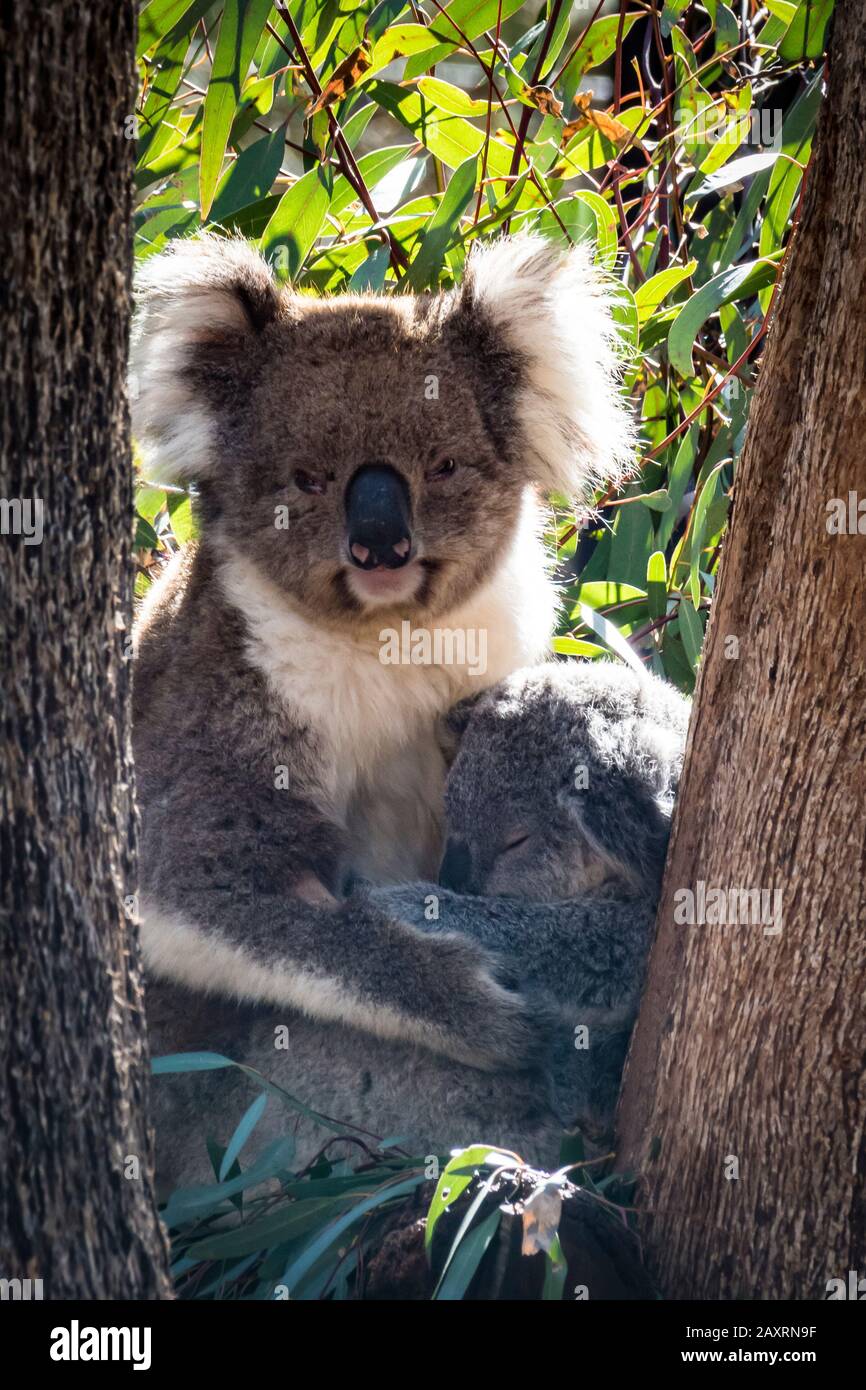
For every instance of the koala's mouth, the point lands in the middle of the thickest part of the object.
(381, 586)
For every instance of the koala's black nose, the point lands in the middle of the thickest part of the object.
(378, 518)
(456, 870)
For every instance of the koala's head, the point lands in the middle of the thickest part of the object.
(372, 453)
(563, 783)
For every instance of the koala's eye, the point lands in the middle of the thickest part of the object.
(443, 469)
(308, 482)
(514, 841)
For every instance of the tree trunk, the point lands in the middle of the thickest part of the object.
(745, 1098)
(76, 1203)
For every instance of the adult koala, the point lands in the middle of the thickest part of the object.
(558, 808)
(361, 463)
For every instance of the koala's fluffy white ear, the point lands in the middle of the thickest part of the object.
(199, 295)
(553, 308)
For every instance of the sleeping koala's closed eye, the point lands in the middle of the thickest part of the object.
(562, 784)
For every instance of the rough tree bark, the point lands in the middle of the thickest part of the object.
(750, 1048)
(76, 1204)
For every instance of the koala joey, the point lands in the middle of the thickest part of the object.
(363, 465)
(558, 807)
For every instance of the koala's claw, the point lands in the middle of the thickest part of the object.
(485, 1020)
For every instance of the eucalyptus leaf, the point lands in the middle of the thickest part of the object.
(297, 221)
(240, 28)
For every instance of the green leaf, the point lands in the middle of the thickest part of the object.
(471, 18)
(596, 46)
(189, 1061)
(691, 632)
(611, 636)
(678, 479)
(182, 519)
(727, 25)
(297, 221)
(586, 217)
(259, 93)
(449, 138)
(652, 292)
(676, 664)
(155, 231)
(697, 530)
(398, 41)
(603, 593)
(245, 1127)
(503, 208)
(374, 166)
(456, 1176)
(251, 221)
(370, 277)
(555, 1273)
(742, 231)
(672, 14)
(158, 122)
(468, 1257)
(807, 32)
(293, 1221)
(145, 536)
(786, 176)
(658, 501)
(633, 541)
(382, 16)
(149, 501)
(657, 584)
(444, 226)
(357, 123)
(250, 177)
(191, 1203)
(305, 1261)
(174, 17)
(625, 316)
(450, 98)
(731, 176)
(572, 646)
(740, 282)
(497, 1163)
(735, 127)
(239, 32)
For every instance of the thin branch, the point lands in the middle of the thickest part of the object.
(489, 72)
(526, 113)
(747, 351)
(399, 259)
(489, 116)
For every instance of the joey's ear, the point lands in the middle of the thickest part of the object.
(200, 304)
(453, 724)
(552, 308)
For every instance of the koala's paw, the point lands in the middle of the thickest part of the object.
(481, 1016)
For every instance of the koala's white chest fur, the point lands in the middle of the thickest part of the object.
(373, 719)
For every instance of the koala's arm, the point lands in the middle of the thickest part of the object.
(589, 951)
(223, 861)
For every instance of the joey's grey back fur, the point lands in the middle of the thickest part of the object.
(558, 808)
(279, 758)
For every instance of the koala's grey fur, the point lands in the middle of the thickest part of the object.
(581, 759)
(278, 759)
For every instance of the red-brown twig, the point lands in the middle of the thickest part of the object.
(348, 164)
(489, 115)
